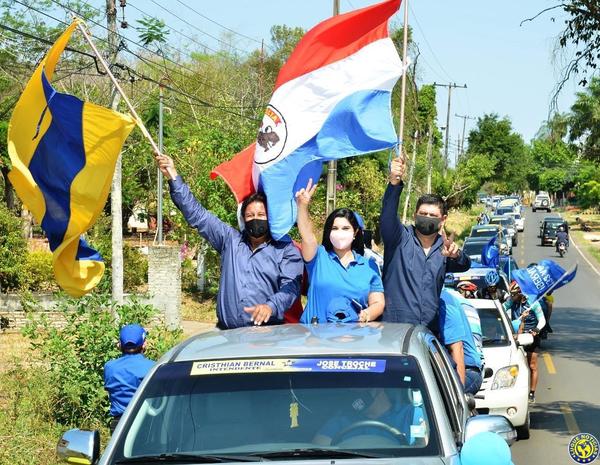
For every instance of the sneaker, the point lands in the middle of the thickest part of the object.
(532, 398)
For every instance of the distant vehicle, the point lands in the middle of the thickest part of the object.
(473, 247)
(542, 202)
(548, 229)
(505, 386)
(283, 394)
(490, 230)
(504, 210)
(519, 221)
(507, 222)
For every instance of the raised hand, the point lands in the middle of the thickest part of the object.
(450, 248)
(304, 195)
(166, 166)
(397, 170)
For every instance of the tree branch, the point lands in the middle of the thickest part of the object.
(561, 5)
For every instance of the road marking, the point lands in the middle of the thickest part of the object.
(549, 363)
(572, 425)
(584, 257)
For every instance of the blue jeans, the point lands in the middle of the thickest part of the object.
(473, 380)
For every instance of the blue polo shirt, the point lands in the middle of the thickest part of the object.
(329, 279)
(412, 280)
(122, 377)
(454, 327)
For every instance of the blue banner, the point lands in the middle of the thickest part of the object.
(490, 254)
(544, 277)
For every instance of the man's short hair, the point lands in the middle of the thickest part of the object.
(256, 197)
(432, 199)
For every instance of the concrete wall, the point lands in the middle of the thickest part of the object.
(164, 283)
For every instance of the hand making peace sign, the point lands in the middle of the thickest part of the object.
(450, 248)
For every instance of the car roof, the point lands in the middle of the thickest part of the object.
(482, 240)
(302, 340)
(475, 272)
(485, 226)
(553, 218)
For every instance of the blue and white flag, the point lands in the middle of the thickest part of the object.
(542, 278)
(490, 254)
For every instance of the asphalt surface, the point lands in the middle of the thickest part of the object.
(568, 392)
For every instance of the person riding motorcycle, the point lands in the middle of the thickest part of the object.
(562, 237)
(467, 289)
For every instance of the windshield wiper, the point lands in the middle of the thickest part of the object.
(189, 458)
(317, 452)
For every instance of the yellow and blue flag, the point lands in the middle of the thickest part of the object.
(63, 153)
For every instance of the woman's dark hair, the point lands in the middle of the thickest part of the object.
(358, 244)
(256, 197)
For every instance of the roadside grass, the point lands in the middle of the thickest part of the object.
(460, 222)
(589, 241)
(196, 308)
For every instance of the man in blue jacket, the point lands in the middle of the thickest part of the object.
(260, 277)
(416, 258)
(122, 376)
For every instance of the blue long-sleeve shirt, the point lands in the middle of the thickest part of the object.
(122, 377)
(270, 275)
(412, 280)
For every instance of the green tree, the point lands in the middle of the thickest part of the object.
(585, 120)
(13, 250)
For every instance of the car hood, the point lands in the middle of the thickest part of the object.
(387, 461)
(499, 357)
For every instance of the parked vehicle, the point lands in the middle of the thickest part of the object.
(270, 393)
(542, 202)
(519, 221)
(490, 230)
(507, 222)
(505, 387)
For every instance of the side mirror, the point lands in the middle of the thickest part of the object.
(485, 449)
(525, 339)
(491, 424)
(79, 447)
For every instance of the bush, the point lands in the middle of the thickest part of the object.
(38, 274)
(74, 355)
(13, 250)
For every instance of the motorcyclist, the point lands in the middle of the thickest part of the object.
(562, 237)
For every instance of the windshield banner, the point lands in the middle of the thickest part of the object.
(322, 365)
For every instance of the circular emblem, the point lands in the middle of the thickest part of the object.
(271, 137)
(583, 448)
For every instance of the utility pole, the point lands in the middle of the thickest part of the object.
(159, 194)
(429, 158)
(462, 141)
(116, 198)
(332, 165)
(450, 86)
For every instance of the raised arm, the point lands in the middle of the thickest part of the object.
(208, 225)
(391, 228)
(305, 227)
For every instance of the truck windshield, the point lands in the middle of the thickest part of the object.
(278, 407)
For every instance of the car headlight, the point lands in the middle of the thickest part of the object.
(505, 377)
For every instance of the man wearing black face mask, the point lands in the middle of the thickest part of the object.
(416, 258)
(260, 277)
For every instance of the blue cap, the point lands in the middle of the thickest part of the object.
(359, 220)
(485, 449)
(132, 336)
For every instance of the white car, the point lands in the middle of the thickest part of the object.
(519, 221)
(505, 387)
(542, 202)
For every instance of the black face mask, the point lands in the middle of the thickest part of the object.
(427, 225)
(257, 228)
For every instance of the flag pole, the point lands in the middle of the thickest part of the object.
(403, 88)
(138, 121)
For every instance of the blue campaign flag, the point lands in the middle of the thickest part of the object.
(542, 278)
(490, 254)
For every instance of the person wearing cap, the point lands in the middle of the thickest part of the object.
(260, 277)
(342, 285)
(122, 376)
(416, 258)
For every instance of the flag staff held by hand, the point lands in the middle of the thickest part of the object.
(82, 28)
(403, 89)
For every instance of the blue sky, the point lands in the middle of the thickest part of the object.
(509, 69)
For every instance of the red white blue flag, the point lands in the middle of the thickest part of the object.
(332, 100)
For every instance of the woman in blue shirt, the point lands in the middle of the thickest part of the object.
(342, 285)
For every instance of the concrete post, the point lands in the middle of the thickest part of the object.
(164, 282)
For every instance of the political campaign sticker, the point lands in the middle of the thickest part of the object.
(323, 365)
(583, 448)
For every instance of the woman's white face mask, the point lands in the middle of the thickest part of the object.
(342, 234)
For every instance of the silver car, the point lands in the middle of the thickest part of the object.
(380, 393)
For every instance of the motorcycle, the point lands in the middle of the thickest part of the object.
(562, 249)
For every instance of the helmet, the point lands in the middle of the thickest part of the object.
(561, 228)
(514, 288)
(492, 278)
(467, 286)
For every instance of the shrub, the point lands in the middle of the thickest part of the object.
(74, 355)
(38, 274)
(13, 250)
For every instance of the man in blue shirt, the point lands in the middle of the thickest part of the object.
(455, 333)
(260, 277)
(122, 376)
(416, 258)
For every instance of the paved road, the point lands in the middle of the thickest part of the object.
(568, 393)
